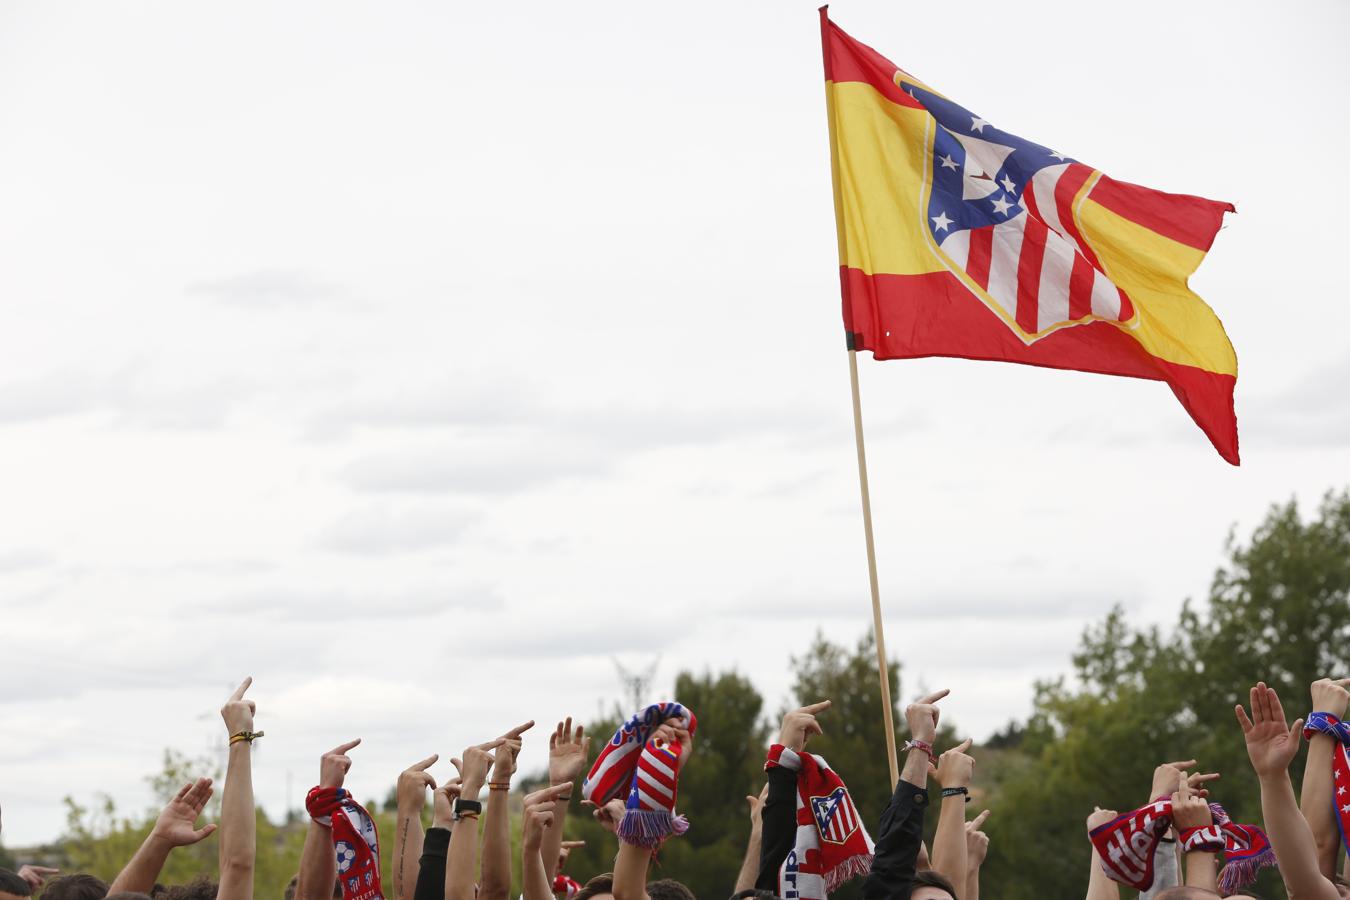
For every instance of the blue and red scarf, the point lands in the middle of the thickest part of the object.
(648, 769)
(1126, 845)
(1326, 723)
(355, 841)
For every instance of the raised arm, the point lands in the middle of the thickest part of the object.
(238, 825)
(955, 771)
(431, 867)
(461, 865)
(1271, 746)
(495, 881)
(173, 828)
(900, 836)
(1316, 799)
(537, 819)
(778, 816)
(977, 846)
(318, 859)
(1100, 885)
(1200, 840)
(632, 862)
(411, 792)
(568, 749)
(745, 879)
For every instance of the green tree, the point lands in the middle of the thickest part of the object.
(1278, 610)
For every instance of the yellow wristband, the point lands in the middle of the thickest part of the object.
(248, 736)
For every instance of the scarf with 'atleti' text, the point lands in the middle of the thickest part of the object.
(1126, 846)
(355, 841)
(648, 770)
(1326, 723)
(832, 845)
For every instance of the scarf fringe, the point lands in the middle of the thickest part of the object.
(650, 827)
(1241, 872)
(847, 870)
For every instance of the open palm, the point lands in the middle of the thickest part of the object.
(176, 823)
(1271, 742)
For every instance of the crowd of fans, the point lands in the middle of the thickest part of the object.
(806, 837)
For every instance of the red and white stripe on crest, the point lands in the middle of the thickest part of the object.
(656, 781)
(843, 821)
(1036, 266)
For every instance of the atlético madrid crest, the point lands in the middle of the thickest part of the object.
(836, 818)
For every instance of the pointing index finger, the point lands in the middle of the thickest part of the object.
(239, 691)
(519, 730)
(935, 696)
(976, 822)
(817, 707)
(341, 749)
(426, 763)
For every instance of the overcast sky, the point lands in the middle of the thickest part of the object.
(420, 359)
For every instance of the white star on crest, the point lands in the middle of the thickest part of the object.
(977, 124)
(1345, 809)
(1340, 790)
(1008, 184)
(1001, 205)
(948, 162)
(940, 221)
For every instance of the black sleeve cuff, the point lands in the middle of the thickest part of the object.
(436, 842)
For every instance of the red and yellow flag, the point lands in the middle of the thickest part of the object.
(957, 238)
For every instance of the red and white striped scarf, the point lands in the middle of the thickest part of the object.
(832, 845)
(356, 842)
(648, 769)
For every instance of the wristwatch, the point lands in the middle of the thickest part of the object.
(467, 807)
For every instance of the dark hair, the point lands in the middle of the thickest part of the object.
(201, 888)
(600, 884)
(11, 883)
(1182, 892)
(127, 895)
(75, 887)
(669, 889)
(753, 894)
(930, 878)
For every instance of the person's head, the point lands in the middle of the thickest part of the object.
(669, 889)
(753, 894)
(929, 885)
(200, 889)
(127, 895)
(75, 887)
(1194, 893)
(601, 887)
(12, 887)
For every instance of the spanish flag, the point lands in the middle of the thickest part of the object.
(957, 238)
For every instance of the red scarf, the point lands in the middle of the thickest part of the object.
(1126, 846)
(566, 887)
(1326, 723)
(648, 770)
(832, 845)
(355, 841)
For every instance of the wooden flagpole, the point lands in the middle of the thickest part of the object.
(886, 714)
(882, 668)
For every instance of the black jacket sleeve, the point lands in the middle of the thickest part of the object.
(431, 868)
(897, 850)
(779, 832)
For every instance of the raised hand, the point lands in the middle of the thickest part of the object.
(413, 783)
(977, 842)
(565, 850)
(1100, 817)
(334, 764)
(504, 763)
(476, 762)
(443, 804)
(757, 808)
(567, 752)
(922, 717)
(1271, 742)
(1329, 695)
(176, 822)
(610, 815)
(538, 815)
(955, 768)
(1167, 777)
(35, 875)
(1189, 809)
(238, 712)
(800, 724)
